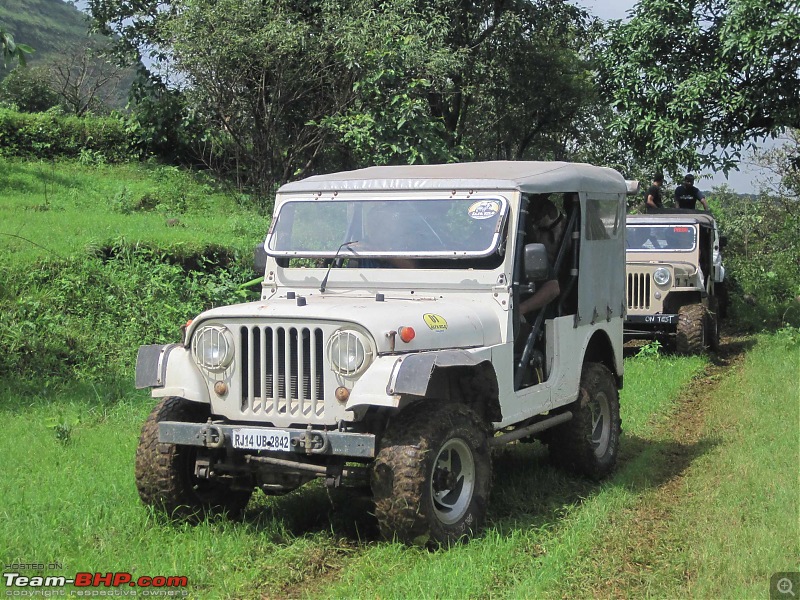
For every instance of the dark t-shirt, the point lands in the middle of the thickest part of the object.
(686, 196)
(655, 192)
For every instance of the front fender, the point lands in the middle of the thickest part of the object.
(170, 371)
(390, 378)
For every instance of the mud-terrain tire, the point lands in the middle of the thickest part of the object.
(690, 337)
(588, 444)
(432, 477)
(165, 472)
(712, 323)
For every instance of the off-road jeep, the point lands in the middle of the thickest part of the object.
(674, 279)
(388, 349)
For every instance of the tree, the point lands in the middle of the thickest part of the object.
(522, 79)
(694, 83)
(288, 89)
(84, 78)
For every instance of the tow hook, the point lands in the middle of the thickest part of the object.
(314, 442)
(212, 436)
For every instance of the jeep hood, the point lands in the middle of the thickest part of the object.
(438, 323)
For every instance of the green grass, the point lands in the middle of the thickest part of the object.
(67, 208)
(68, 496)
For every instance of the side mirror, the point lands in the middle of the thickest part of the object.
(259, 260)
(723, 241)
(537, 265)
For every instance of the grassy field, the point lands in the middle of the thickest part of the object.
(698, 516)
(60, 209)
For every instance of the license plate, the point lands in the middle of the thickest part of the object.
(259, 439)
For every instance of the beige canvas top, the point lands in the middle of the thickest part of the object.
(525, 176)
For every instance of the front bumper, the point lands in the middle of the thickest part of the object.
(302, 441)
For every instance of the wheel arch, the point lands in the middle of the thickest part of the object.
(600, 349)
(450, 375)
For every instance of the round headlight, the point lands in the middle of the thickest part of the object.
(213, 348)
(661, 276)
(348, 352)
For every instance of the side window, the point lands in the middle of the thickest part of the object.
(602, 219)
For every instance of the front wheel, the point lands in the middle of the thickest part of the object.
(589, 443)
(432, 476)
(690, 337)
(165, 473)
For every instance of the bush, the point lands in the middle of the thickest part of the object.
(28, 89)
(48, 135)
(86, 317)
(762, 258)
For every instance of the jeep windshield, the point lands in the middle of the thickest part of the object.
(660, 238)
(419, 228)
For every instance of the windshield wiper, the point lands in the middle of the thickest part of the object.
(333, 261)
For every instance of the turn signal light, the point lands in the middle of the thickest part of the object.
(407, 334)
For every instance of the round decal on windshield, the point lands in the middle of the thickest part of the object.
(484, 209)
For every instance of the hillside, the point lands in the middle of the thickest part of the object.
(46, 25)
(54, 29)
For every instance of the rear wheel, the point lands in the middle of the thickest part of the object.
(589, 443)
(165, 473)
(432, 476)
(691, 333)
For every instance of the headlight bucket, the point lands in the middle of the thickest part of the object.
(212, 348)
(662, 276)
(349, 352)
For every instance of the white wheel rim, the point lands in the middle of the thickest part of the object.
(600, 408)
(452, 481)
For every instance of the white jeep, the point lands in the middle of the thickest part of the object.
(388, 349)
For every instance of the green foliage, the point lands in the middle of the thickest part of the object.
(388, 120)
(692, 83)
(161, 124)
(28, 90)
(279, 91)
(13, 50)
(86, 317)
(49, 135)
(650, 350)
(762, 258)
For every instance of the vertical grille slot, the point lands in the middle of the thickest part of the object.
(638, 290)
(282, 371)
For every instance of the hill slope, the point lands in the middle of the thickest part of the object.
(54, 29)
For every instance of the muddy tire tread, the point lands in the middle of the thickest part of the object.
(570, 444)
(690, 335)
(161, 473)
(399, 473)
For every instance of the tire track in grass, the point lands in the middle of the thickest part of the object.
(640, 553)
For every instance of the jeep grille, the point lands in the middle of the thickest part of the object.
(282, 371)
(638, 291)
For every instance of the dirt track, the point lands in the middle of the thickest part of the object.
(642, 541)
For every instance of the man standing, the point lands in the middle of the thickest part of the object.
(686, 195)
(654, 193)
